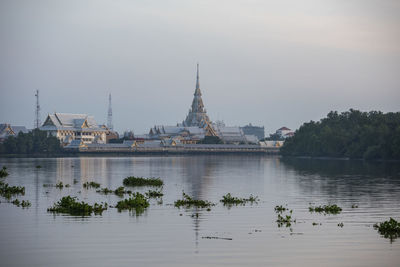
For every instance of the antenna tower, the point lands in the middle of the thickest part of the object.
(37, 111)
(109, 115)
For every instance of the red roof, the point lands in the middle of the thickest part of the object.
(284, 129)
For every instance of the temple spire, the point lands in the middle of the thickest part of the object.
(197, 78)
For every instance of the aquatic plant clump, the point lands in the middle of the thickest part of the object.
(105, 191)
(140, 181)
(137, 202)
(3, 172)
(327, 209)
(389, 229)
(91, 184)
(59, 185)
(285, 220)
(71, 206)
(228, 199)
(187, 202)
(23, 203)
(154, 194)
(8, 191)
(280, 209)
(120, 191)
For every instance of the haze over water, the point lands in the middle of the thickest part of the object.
(160, 236)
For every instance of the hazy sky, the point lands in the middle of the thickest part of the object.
(271, 63)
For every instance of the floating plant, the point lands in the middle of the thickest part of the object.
(140, 181)
(188, 202)
(389, 229)
(71, 206)
(8, 191)
(91, 184)
(138, 202)
(38, 166)
(281, 209)
(105, 191)
(120, 191)
(285, 220)
(59, 185)
(327, 209)
(23, 203)
(3, 172)
(228, 199)
(154, 194)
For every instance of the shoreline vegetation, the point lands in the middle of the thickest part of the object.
(350, 135)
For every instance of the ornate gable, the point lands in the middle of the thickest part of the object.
(48, 121)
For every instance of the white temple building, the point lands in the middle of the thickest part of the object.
(68, 127)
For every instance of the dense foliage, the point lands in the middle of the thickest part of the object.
(352, 134)
(34, 142)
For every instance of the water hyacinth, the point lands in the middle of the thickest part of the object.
(389, 229)
(70, 205)
(137, 202)
(3, 172)
(327, 209)
(228, 199)
(23, 203)
(140, 181)
(9, 191)
(188, 202)
(285, 220)
(154, 194)
(91, 184)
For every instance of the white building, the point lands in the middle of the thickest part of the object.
(67, 127)
(284, 132)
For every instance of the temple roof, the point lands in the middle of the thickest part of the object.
(69, 121)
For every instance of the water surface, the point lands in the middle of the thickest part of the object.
(167, 236)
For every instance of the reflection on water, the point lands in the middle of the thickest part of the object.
(377, 181)
(251, 233)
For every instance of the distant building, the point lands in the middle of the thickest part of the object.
(276, 143)
(68, 127)
(110, 134)
(258, 131)
(187, 134)
(7, 130)
(231, 134)
(284, 132)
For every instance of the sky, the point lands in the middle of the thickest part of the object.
(269, 63)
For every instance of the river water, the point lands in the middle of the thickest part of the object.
(167, 236)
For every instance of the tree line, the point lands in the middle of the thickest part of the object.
(352, 134)
(34, 142)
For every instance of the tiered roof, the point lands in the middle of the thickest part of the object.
(68, 121)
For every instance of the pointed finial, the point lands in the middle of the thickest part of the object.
(197, 77)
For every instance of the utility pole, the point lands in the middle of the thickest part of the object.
(109, 115)
(37, 111)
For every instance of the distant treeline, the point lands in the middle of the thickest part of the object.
(34, 142)
(352, 134)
